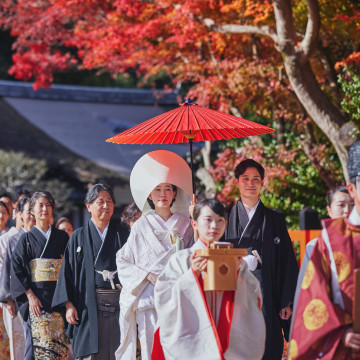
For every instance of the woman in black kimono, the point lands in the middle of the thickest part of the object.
(35, 266)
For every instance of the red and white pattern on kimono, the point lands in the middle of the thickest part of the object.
(320, 322)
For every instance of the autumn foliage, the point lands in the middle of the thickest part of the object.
(229, 55)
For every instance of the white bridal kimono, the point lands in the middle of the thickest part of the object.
(191, 326)
(147, 250)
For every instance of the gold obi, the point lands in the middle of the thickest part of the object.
(45, 269)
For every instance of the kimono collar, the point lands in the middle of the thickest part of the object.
(158, 222)
(46, 234)
(238, 219)
(102, 235)
(199, 244)
(354, 217)
(251, 212)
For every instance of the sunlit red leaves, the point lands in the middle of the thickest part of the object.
(151, 36)
(40, 64)
(352, 60)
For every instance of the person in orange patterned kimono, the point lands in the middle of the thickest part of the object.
(323, 322)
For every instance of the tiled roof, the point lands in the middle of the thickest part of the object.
(88, 94)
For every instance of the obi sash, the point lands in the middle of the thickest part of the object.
(45, 269)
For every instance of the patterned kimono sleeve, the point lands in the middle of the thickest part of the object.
(319, 323)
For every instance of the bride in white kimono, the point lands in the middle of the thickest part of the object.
(161, 186)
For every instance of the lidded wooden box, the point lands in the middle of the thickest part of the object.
(221, 272)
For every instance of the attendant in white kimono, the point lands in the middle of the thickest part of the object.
(211, 325)
(163, 229)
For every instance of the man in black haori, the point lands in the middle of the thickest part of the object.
(271, 257)
(88, 284)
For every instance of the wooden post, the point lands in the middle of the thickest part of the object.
(303, 237)
(356, 301)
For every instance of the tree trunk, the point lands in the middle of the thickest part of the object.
(301, 76)
(326, 116)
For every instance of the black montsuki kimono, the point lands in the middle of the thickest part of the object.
(32, 245)
(78, 280)
(267, 233)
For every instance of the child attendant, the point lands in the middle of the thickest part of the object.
(198, 324)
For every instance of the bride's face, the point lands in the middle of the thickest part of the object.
(162, 195)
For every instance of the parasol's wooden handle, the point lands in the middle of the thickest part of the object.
(356, 301)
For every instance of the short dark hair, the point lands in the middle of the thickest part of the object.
(22, 192)
(5, 206)
(341, 188)
(151, 203)
(213, 204)
(7, 195)
(249, 163)
(94, 191)
(42, 193)
(129, 214)
(22, 203)
(62, 220)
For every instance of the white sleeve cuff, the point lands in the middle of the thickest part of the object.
(251, 262)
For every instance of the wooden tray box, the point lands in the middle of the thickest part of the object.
(221, 272)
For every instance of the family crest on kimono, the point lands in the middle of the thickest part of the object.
(88, 284)
(19, 331)
(324, 316)
(160, 183)
(263, 233)
(35, 265)
(198, 324)
(339, 204)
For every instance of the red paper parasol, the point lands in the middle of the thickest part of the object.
(189, 123)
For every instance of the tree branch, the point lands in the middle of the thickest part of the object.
(312, 29)
(285, 27)
(240, 29)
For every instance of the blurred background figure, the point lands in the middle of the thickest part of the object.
(66, 225)
(7, 199)
(19, 331)
(130, 214)
(4, 217)
(19, 195)
(339, 203)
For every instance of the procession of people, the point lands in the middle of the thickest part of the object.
(106, 292)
